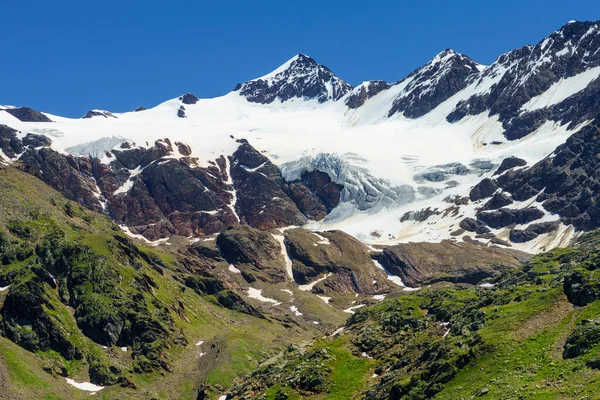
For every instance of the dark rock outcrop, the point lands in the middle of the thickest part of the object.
(510, 163)
(505, 217)
(434, 83)
(26, 114)
(188, 98)
(261, 199)
(10, 144)
(498, 200)
(483, 189)
(360, 94)
(472, 225)
(532, 231)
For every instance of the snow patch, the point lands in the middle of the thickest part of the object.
(257, 295)
(86, 386)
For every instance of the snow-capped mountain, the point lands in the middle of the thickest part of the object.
(433, 156)
(300, 77)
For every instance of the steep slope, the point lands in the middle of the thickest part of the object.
(301, 77)
(531, 332)
(80, 301)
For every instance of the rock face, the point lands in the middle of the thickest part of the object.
(315, 194)
(265, 200)
(189, 98)
(565, 183)
(363, 92)
(483, 189)
(26, 114)
(427, 87)
(157, 195)
(505, 216)
(425, 263)
(520, 75)
(256, 253)
(510, 163)
(347, 259)
(99, 113)
(301, 77)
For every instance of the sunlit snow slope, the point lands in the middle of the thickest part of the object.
(392, 161)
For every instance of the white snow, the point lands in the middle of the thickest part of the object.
(324, 298)
(142, 238)
(562, 89)
(4, 288)
(257, 294)
(322, 240)
(308, 287)
(200, 343)
(87, 386)
(350, 310)
(379, 297)
(124, 348)
(395, 279)
(294, 309)
(487, 285)
(337, 332)
(233, 269)
(288, 291)
(288, 261)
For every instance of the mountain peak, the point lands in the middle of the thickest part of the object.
(299, 77)
(425, 88)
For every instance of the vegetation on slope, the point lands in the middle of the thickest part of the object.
(531, 333)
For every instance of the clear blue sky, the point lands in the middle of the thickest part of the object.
(69, 56)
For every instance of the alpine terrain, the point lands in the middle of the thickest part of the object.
(430, 238)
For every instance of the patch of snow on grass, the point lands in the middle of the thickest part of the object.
(87, 386)
(350, 310)
(257, 295)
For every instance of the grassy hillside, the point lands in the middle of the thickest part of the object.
(84, 302)
(533, 334)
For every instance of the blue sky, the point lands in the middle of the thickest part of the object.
(70, 56)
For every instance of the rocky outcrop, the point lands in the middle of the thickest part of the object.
(10, 144)
(64, 174)
(567, 182)
(498, 200)
(483, 189)
(532, 231)
(472, 225)
(315, 194)
(99, 113)
(261, 199)
(430, 85)
(256, 253)
(522, 74)
(360, 94)
(510, 163)
(420, 264)
(188, 98)
(26, 114)
(505, 216)
(347, 259)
